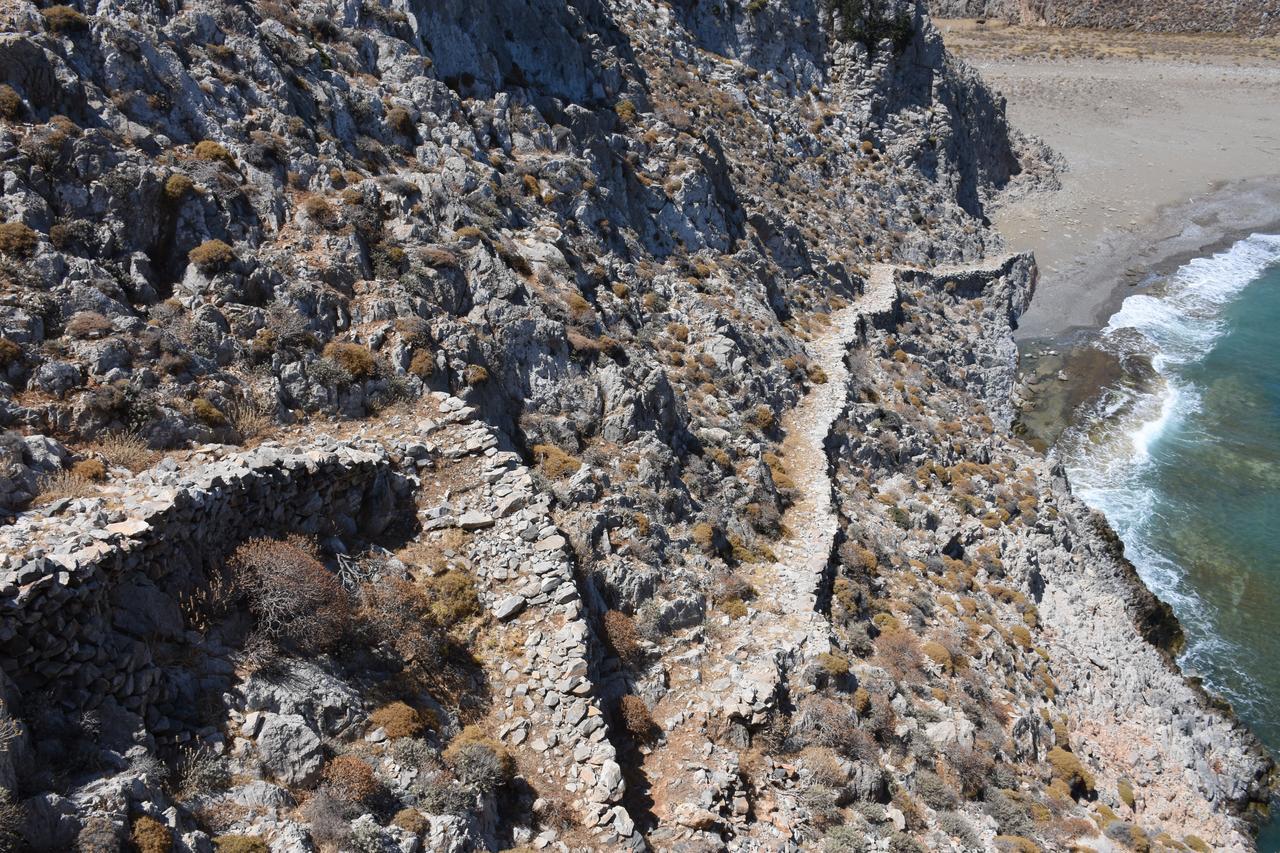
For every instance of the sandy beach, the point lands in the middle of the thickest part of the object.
(1172, 146)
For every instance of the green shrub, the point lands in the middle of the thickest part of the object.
(17, 239)
(64, 19)
(10, 102)
(355, 359)
(212, 256)
(214, 152)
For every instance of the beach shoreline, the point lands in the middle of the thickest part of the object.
(1172, 151)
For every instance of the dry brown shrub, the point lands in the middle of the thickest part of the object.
(294, 598)
(17, 239)
(622, 636)
(10, 102)
(637, 720)
(352, 779)
(212, 255)
(555, 463)
(63, 484)
(209, 150)
(91, 469)
(412, 820)
(353, 358)
(398, 719)
(898, 651)
(150, 835)
(400, 616)
(125, 449)
(88, 324)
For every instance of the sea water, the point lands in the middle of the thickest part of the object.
(1185, 464)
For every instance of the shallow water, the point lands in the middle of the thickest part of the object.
(1185, 463)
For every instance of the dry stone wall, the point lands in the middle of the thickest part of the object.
(90, 588)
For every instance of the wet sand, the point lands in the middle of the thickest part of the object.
(1172, 146)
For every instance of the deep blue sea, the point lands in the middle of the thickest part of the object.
(1186, 466)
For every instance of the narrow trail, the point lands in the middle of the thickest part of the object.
(738, 672)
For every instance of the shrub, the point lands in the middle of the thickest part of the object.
(9, 352)
(938, 654)
(626, 111)
(480, 761)
(423, 364)
(1016, 844)
(399, 615)
(835, 665)
(1125, 790)
(177, 187)
(91, 469)
(150, 835)
(207, 412)
(10, 102)
(1067, 767)
(704, 536)
(844, 839)
(398, 720)
(212, 256)
(64, 19)
(63, 484)
(1011, 816)
(240, 844)
(352, 779)
(213, 152)
(475, 374)
(88, 324)
(127, 450)
(293, 596)
(451, 597)
(412, 820)
(555, 463)
(12, 816)
(637, 720)
(399, 120)
(763, 417)
(320, 212)
(622, 636)
(934, 792)
(972, 767)
(355, 359)
(17, 239)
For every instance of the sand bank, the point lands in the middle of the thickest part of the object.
(1172, 145)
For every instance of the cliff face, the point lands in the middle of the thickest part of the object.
(670, 498)
(1250, 17)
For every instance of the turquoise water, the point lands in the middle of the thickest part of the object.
(1188, 469)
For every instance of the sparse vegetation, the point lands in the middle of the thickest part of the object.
(64, 19)
(294, 598)
(212, 256)
(355, 359)
(17, 239)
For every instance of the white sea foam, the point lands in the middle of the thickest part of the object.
(1108, 455)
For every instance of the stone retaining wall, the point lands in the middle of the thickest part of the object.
(90, 593)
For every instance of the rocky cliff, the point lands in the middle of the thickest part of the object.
(667, 497)
(1246, 17)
